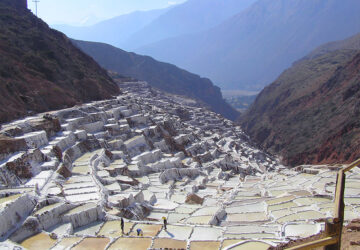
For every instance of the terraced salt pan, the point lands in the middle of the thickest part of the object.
(81, 208)
(156, 216)
(60, 229)
(178, 198)
(85, 158)
(47, 208)
(85, 190)
(143, 180)
(352, 201)
(169, 244)
(6, 200)
(252, 229)
(246, 217)
(300, 193)
(227, 243)
(199, 220)
(112, 229)
(307, 215)
(257, 207)
(176, 232)
(282, 206)
(78, 179)
(81, 170)
(206, 211)
(311, 200)
(149, 230)
(250, 236)
(176, 218)
(83, 197)
(280, 200)
(352, 192)
(66, 243)
(155, 189)
(90, 229)
(131, 244)
(41, 241)
(185, 210)
(251, 245)
(201, 245)
(301, 230)
(164, 204)
(206, 233)
(281, 192)
(92, 243)
(78, 185)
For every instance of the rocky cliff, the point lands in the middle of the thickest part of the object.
(40, 69)
(311, 113)
(164, 76)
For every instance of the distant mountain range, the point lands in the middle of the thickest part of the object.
(239, 44)
(191, 17)
(163, 76)
(115, 31)
(40, 69)
(311, 113)
(141, 28)
(249, 50)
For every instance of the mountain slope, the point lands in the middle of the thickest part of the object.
(311, 113)
(163, 76)
(40, 69)
(114, 31)
(252, 48)
(190, 17)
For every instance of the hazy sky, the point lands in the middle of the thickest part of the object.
(80, 12)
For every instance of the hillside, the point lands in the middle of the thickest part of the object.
(311, 113)
(163, 76)
(40, 69)
(114, 31)
(251, 49)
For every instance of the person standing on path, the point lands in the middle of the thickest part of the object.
(122, 225)
(165, 222)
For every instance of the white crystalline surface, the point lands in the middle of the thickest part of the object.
(139, 156)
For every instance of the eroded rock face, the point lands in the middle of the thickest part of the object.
(10, 145)
(21, 167)
(194, 199)
(64, 171)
